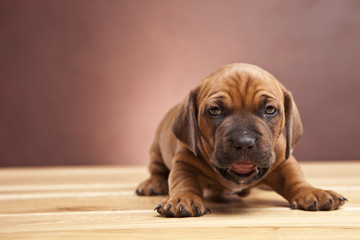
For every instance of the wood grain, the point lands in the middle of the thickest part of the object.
(99, 202)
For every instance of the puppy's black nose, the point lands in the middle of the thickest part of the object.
(243, 142)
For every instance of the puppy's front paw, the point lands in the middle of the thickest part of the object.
(182, 205)
(314, 199)
(155, 185)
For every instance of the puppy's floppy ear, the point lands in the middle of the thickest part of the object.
(293, 125)
(184, 125)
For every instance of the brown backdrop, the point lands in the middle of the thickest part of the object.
(86, 82)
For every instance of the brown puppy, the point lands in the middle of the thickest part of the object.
(226, 137)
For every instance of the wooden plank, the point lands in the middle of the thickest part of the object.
(213, 233)
(133, 219)
(131, 222)
(99, 202)
(121, 200)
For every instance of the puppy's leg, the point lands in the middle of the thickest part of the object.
(288, 180)
(157, 183)
(185, 194)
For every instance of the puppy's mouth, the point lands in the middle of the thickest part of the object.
(243, 172)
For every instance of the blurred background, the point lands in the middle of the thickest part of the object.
(87, 82)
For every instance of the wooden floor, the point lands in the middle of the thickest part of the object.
(99, 203)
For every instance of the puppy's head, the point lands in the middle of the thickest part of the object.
(234, 118)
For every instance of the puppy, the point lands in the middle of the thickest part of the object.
(226, 137)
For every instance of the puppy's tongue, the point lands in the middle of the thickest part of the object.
(243, 167)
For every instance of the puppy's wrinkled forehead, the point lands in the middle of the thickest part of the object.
(240, 86)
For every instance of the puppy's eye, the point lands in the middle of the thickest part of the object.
(215, 111)
(270, 110)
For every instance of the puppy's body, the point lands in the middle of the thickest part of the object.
(226, 137)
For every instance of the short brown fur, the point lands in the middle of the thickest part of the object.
(190, 146)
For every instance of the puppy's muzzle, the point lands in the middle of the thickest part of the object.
(237, 162)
